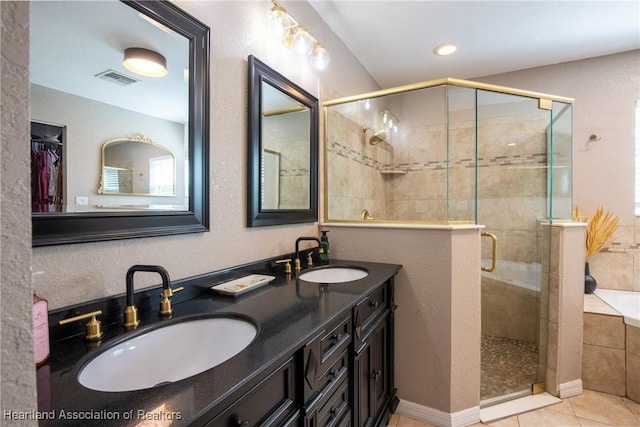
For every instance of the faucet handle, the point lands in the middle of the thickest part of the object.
(287, 265)
(93, 326)
(170, 291)
(310, 259)
(165, 302)
(131, 317)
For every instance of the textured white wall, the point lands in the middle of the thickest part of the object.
(18, 389)
(81, 272)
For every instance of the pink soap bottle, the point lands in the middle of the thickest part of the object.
(40, 329)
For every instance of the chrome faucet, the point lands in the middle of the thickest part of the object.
(131, 312)
(297, 258)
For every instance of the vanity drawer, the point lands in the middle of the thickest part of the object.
(270, 403)
(336, 339)
(332, 413)
(325, 360)
(333, 374)
(367, 311)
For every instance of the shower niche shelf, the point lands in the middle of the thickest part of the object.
(394, 172)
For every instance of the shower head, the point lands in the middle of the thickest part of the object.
(377, 137)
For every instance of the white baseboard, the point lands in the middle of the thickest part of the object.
(570, 389)
(438, 418)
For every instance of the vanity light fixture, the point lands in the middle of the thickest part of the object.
(320, 57)
(295, 36)
(145, 62)
(445, 49)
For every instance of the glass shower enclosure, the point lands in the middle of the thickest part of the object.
(453, 151)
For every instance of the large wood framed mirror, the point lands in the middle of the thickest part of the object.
(283, 150)
(82, 95)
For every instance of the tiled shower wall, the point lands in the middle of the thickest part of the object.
(292, 143)
(353, 169)
(617, 266)
(511, 179)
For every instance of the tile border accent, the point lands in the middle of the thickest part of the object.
(342, 150)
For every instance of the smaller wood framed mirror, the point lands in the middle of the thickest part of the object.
(283, 150)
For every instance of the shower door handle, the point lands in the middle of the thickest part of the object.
(494, 251)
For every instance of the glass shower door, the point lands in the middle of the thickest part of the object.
(512, 202)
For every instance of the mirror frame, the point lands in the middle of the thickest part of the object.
(80, 227)
(259, 72)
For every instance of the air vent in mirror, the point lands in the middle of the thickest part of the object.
(117, 78)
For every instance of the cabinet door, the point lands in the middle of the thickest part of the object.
(372, 374)
(363, 405)
(380, 369)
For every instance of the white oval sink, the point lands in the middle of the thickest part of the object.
(167, 354)
(337, 274)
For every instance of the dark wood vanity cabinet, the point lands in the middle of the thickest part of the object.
(272, 402)
(348, 370)
(373, 392)
(372, 376)
(343, 376)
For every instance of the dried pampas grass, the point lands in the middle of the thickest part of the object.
(600, 227)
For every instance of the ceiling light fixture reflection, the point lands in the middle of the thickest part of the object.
(389, 120)
(145, 62)
(445, 49)
(295, 36)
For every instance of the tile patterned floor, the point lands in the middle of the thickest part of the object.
(507, 366)
(590, 409)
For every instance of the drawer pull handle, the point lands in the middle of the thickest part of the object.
(336, 337)
(374, 304)
(333, 412)
(375, 374)
(243, 423)
(333, 374)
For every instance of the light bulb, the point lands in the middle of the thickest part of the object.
(367, 104)
(320, 57)
(280, 20)
(302, 41)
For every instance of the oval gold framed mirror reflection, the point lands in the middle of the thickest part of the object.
(137, 166)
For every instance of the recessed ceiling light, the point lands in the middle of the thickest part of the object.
(445, 49)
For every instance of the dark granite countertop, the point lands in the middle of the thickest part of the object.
(288, 312)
